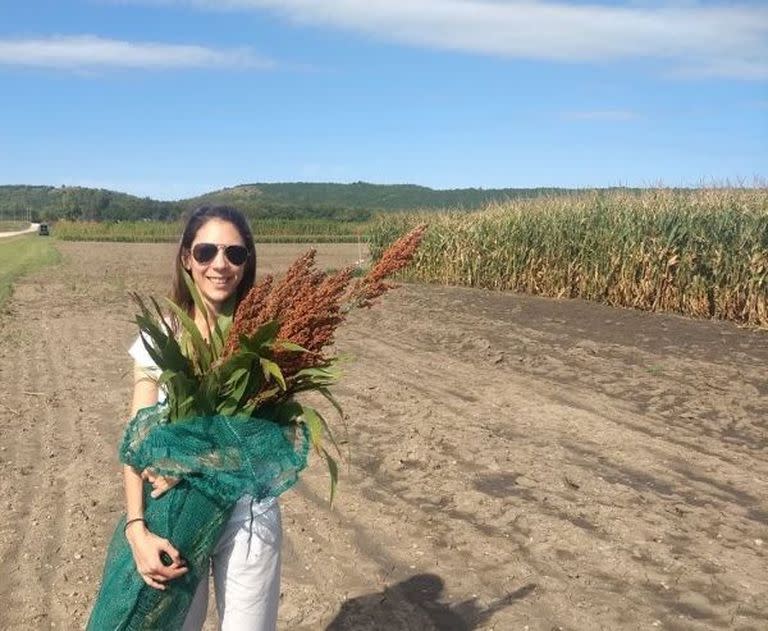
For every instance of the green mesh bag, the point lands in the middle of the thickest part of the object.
(219, 459)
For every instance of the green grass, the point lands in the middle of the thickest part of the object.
(21, 255)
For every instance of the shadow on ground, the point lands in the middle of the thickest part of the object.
(416, 604)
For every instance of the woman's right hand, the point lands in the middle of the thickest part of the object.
(147, 548)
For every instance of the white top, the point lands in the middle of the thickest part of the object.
(147, 364)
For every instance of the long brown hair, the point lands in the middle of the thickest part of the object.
(179, 292)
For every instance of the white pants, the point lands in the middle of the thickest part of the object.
(246, 583)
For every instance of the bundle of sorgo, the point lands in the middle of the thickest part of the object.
(253, 363)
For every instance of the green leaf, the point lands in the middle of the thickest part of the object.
(248, 409)
(152, 344)
(263, 397)
(149, 328)
(315, 425)
(237, 375)
(167, 376)
(197, 299)
(332, 400)
(221, 326)
(241, 359)
(333, 469)
(202, 350)
(185, 407)
(178, 373)
(305, 380)
(271, 368)
(164, 350)
(228, 407)
(328, 431)
(165, 325)
(324, 373)
(287, 345)
(231, 374)
(265, 334)
(182, 394)
(241, 383)
(207, 394)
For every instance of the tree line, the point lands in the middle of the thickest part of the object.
(299, 200)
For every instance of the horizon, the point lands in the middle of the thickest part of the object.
(758, 185)
(171, 99)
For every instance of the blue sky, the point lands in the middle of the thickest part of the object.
(172, 98)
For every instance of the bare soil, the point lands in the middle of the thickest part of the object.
(513, 462)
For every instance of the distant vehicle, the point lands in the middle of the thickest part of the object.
(43, 230)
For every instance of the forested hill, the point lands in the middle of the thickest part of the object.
(362, 195)
(356, 201)
(75, 202)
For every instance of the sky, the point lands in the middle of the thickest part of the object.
(173, 98)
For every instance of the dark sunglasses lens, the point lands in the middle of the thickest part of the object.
(204, 252)
(236, 254)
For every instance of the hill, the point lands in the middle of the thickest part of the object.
(323, 197)
(49, 203)
(357, 201)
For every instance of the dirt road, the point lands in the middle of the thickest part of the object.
(515, 463)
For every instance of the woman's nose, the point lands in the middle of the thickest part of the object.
(220, 260)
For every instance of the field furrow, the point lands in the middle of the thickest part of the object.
(509, 461)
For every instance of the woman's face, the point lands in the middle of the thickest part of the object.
(217, 279)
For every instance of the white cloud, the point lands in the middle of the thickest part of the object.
(719, 40)
(88, 52)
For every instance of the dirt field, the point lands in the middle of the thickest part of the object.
(516, 463)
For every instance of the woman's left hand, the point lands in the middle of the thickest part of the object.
(160, 483)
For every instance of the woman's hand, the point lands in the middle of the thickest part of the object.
(160, 483)
(147, 549)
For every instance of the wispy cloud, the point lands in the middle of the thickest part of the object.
(720, 40)
(88, 52)
(601, 115)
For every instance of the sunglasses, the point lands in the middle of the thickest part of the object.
(206, 252)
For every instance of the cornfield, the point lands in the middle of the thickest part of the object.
(264, 231)
(701, 253)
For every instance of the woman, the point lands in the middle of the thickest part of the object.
(217, 250)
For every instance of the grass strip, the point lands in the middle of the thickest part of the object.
(22, 255)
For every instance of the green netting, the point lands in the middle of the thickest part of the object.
(219, 459)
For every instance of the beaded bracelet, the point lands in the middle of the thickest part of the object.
(131, 521)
